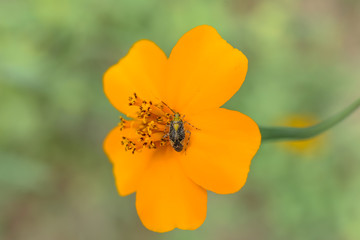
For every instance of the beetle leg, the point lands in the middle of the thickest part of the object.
(166, 130)
(192, 125)
(188, 140)
(165, 136)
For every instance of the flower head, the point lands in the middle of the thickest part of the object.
(179, 143)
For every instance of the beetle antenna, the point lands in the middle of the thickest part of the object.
(168, 107)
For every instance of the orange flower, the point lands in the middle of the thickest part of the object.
(201, 74)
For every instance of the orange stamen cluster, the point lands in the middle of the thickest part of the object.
(150, 124)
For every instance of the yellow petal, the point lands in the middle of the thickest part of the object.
(219, 154)
(127, 167)
(141, 71)
(167, 199)
(204, 71)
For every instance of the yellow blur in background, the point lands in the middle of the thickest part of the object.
(55, 180)
(312, 146)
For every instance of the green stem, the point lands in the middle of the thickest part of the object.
(293, 133)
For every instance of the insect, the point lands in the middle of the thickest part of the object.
(177, 131)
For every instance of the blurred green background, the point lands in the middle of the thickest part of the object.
(55, 180)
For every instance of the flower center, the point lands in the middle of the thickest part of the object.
(152, 125)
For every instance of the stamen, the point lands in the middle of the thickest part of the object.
(163, 143)
(160, 127)
(150, 125)
(157, 110)
(134, 100)
(124, 124)
(158, 136)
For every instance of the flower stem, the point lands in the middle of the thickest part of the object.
(294, 133)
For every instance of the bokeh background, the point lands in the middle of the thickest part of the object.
(57, 183)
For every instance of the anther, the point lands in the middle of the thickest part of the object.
(122, 123)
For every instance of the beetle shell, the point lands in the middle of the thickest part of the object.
(177, 135)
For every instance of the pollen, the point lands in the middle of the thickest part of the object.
(150, 124)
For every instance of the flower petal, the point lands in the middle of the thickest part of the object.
(127, 167)
(141, 71)
(219, 154)
(204, 71)
(167, 199)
